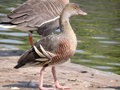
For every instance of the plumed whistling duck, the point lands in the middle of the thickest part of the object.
(53, 49)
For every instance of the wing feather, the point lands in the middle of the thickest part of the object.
(36, 12)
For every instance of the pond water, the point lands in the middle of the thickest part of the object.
(98, 33)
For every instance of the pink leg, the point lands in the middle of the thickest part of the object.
(56, 81)
(41, 80)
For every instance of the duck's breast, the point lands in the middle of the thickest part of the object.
(63, 53)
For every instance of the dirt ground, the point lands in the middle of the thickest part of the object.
(75, 76)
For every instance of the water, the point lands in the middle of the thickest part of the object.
(98, 33)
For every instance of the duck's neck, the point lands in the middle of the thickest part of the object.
(64, 1)
(66, 30)
(65, 26)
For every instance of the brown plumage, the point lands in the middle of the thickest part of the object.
(61, 49)
(63, 53)
(53, 49)
(35, 15)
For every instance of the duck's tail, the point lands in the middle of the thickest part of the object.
(25, 59)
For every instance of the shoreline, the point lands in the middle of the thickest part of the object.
(77, 77)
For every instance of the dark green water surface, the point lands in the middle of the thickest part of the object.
(98, 33)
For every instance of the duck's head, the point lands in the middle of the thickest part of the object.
(73, 9)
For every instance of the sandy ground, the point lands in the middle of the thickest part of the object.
(75, 76)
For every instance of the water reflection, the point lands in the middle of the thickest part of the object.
(3, 29)
(118, 64)
(80, 51)
(108, 42)
(98, 56)
(85, 60)
(117, 29)
(14, 34)
(98, 33)
(7, 46)
(10, 9)
(2, 14)
(10, 41)
(100, 37)
(103, 67)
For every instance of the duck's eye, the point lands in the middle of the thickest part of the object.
(75, 7)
